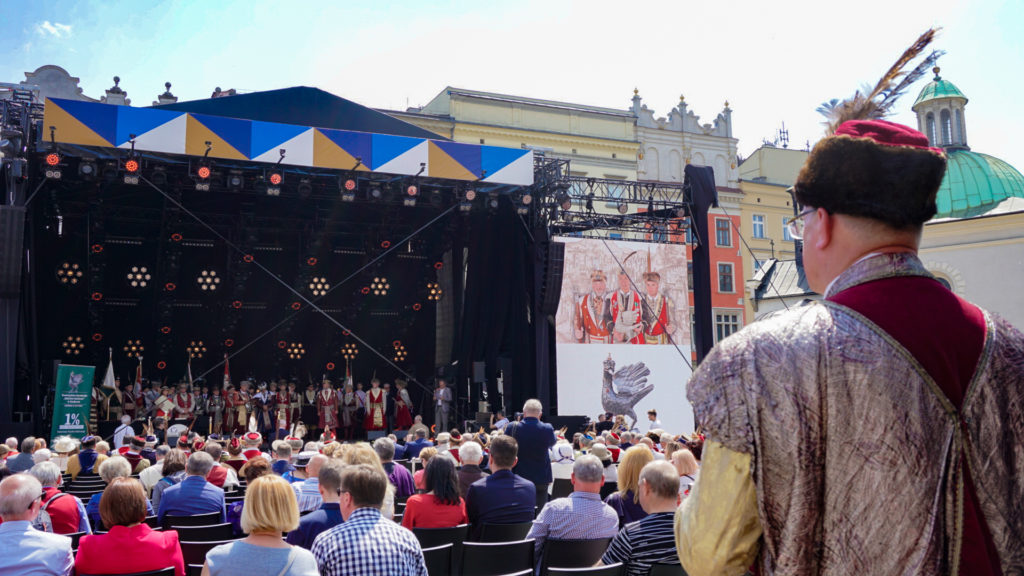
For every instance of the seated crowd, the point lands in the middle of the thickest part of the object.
(294, 508)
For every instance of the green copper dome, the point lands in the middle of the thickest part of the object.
(938, 88)
(975, 183)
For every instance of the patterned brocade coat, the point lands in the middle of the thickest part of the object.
(855, 474)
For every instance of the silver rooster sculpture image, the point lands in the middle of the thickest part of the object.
(622, 390)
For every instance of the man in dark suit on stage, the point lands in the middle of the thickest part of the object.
(389, 408)
(535, 439)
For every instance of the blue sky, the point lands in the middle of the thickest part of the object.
(774, 61)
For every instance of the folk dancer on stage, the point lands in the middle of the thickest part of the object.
(403, 406)
(215, 408)
(657, 316)
(625, 309)
(149, 398)
(349, 403)
(294, 403)
(128, 404)
(327, 408)
(310, 411)
(442, 405)
(184, 404)
(877, 431)
(164, 404)
(247, 407)
(591, 316)
(375, 398)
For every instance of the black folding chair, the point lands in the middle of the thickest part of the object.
(211, 533)
(608, 489)
(193, 570)
(160, 572)
(617, 569)
(504, 532)
(572, 553)
(561, 488)
(667, 570)
(438, 560)
(193, 520)
(497, 558)
(195, 552)
(433, 537)
(75, 537)
(151, 521)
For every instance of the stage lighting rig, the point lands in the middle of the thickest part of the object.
(467, 201)
(69, 273)
(296, 351)
(492, 201)
(305, 188)
(87, 169)
(563, 200)
(134, 348)
(139, 276)
(131, 169)
(52, 168)
(622, 207)
(349, 351)
(380, 286)
(410, 195)
(400, 352)
(319, 286)
(195, 349)
(348, 190)
(235, 180)
(434, 291)
(73, 345)
(203, 172)
(208, 280)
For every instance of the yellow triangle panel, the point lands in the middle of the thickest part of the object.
(444, 166)
(327, 154)
(69, 129)
(196, 137)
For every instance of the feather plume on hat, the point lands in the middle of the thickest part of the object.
(876, 103)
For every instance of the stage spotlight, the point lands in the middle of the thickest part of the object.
(52, 169)
(134, 348)
(527, 199)
(139, 277)
(69, 274)
(208, 280)
(273, 180)
(466, 205)
(622, 207)
(73, 345)
(564, 200)
(195, 349)
(319, 286)
(203, 174)
(470, 195)
(349, 351)
(235, 180)
(412, 190)
(376, 193)
(296, 350)
(409, 201)
(131, 171)
(492, 201)
(380, 286)
(590, 202)
(305, 188)
(348, 190)
(434, 292)
(87, 169)
(400, 352)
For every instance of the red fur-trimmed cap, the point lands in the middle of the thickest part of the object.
(253, 437)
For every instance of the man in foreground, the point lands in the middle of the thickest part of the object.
(581, 515)
(366, 543)
(193, 495)
(893, 389)
(27, 550)
(503, 497)
(650, 540)
(329, 514)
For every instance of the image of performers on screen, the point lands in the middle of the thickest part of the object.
(624, 310)
(591, 315)
(657, 312)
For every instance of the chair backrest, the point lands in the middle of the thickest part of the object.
(608, 489)
(398, 518)
(561, 488)
(572, 553)
(193, 570)
(438, 560)
(497, 558)
(504, 532)
(211, 533)
(667, 570)
(193, 520)
(152, 522)
(617, 569)
(195, 552)
(75, 537)
(161, 572)
(431, 537)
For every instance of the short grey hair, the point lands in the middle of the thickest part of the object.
(384, 448)
(588, 468)
(199, 464)
(115, 467)
(421, 433)
(662, 478)
(28, 444)
(162, 451)
(17, 493)
(215, 450)
(282, 449)
(471, 453)
(330, 475)
(41, 455)
(47, 473)
(12, 443)
(533, 406)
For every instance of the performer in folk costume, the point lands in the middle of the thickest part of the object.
(215, 407)
(150, 396)
(374, 407)
(624, 307)
(310, 412)
(590, 319)
(403, 406)
(294, 403)
(184, 403)
(327, 407)
(914, 394)
(266, 421)
(349, 402)
(657, 312)
(246, 409)
(128, 401)
(165, 404)
(201, 396)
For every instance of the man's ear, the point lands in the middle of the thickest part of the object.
(824, 227)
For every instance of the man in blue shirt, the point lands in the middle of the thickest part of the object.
(27, 550)
(193, 495)
(535, 440)
(412, 449)
(329, 513)
(502, 497)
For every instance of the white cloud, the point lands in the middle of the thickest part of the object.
(53, 29)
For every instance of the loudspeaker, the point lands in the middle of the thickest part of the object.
(551, 289)
(479, 372)
(12, 233)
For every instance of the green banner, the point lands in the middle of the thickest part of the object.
(71, 407)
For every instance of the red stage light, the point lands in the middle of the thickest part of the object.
(365, 290)
(170, 286)
(97, 248)
(203, 172)
(330, 365)
(229, 342)
(275, 178)
(97, 296)
(131, 166)
(385, 244)
(438, 265)
(412, 190)
(236, 304)
(417, 306)
(345, 333)
(161, 365)
(296, 305)
(176, 237)
(165, 330)
(96, 337)
(397, 343)
(311, 261)
(248, 258)
(52, 159)
(282, 344)
(350, 184)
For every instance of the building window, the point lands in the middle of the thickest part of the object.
(723, 234)
(961, 138)
(689, 276)
(929, 127)
(785, 230)
(947, 127)
(758, 222)
(726, 324)
(690, 235)
(725, 278)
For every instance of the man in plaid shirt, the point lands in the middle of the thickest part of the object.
(367, 544)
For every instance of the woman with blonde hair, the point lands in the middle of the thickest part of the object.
(425, 455)
(363, 453)
(270, 509)
(686, 465)
(626, 502)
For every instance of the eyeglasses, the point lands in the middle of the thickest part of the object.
(795, 225)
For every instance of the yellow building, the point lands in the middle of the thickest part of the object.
(765, 205)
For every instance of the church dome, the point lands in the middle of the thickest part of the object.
(936, 89)
(975, 184)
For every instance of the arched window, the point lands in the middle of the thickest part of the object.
(947, 126)
(929, 122)
(960, 136)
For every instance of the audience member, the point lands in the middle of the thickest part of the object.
(425, 456)
(63, 447)
(581, 515)
(5, 451)
(257, 468)
(441, 506)
(415, 428)
(41, 455)
(134, 454)
(499, 421)
(611, 469)
(193, 495)
(282, 463)
(412, 449)
(503, 497)
(563, 459)
(173, 472)
(626, 501)
(329, 513)
(307, 492)
(12, 445)
(123, 432)
(66, 512)
(399, 448)
(398, 475)
(253, 441)
(535, 439)
(686, 467)
(471, 454)
(650, 540)
(363, 453)
(269, 510)
(102, 448)
(150, 476)
(23, 461)
(220, 475)
(365, 544)
(652, 416)
(27, 550)
(113, 467)
(235, 458)
(123, 511)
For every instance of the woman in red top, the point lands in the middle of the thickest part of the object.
(130, 546)
(441, 507)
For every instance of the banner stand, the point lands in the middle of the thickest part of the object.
(72, 401)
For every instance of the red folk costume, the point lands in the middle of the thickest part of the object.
(403, 414)
(592, 309)
(327, 408)
(656, 319)
(375, 410)
(626, 302)
(184, 404)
